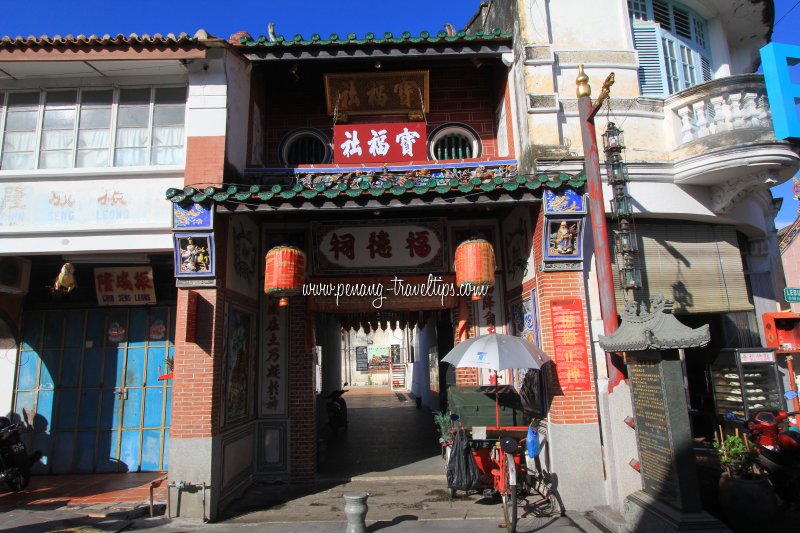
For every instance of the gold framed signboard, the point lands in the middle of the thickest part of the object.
(376, 93)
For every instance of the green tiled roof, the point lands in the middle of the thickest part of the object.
(316, 39)
(381, 183)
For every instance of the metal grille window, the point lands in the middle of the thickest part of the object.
(305, 147)
(90, 128)
(453, 141)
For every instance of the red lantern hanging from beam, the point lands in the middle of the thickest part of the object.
(284, 273)
(475, 265)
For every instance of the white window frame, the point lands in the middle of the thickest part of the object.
(4, 97)
(690, 54)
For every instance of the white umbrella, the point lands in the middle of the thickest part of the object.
(496, 352)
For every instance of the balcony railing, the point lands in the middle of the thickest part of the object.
(719, 106)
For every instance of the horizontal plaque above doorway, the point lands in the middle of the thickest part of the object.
(380, 246)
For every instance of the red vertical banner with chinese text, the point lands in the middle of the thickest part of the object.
(569, 345)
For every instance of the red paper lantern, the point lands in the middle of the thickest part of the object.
(475, 264)
(284, 273)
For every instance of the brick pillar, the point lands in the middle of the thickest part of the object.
(196, 398)
(573, 421)
(302, 397)
(196, 386)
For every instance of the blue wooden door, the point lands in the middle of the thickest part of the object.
(88, 386)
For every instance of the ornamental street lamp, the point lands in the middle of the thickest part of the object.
(624, 235)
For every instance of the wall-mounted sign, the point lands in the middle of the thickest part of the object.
(379, 143)
(194, 255)
(118, 204)
(563, 239)
(783, 89)
(131, 285)
(362, 359)
(565, 201)
(378, 357)
(757, 357)
(273, 368)
(569, 345)
(194, 216)
(376, 93)
(393, 246)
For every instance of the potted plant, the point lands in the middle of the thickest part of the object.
(746, 499)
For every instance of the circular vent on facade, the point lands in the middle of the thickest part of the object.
(305, 146)
(454, 141)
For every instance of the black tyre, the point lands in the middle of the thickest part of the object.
(17, 478)
(510, 499)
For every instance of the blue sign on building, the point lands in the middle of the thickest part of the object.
(778, 60)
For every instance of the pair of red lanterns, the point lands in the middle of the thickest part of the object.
(286, 268)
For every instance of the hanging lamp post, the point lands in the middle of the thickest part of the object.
(621, 208)
(284, 273)
(475, 265)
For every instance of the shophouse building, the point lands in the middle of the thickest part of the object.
(92, 131)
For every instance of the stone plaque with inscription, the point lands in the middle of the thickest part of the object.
(662, 430)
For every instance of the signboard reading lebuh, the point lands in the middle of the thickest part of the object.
(791, 294)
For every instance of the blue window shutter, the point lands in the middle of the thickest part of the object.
(647, 41)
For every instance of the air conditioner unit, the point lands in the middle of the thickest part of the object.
(15, 275)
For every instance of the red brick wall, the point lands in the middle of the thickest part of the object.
(302, 398)
(577, 407)
(467, 95)
(205, 161)
(198, 365)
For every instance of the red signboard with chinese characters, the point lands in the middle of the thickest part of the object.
(379, 143)
(569, 345)
(131, 285)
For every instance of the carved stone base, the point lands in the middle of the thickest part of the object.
(645, 513)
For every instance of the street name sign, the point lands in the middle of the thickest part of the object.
(791, 294)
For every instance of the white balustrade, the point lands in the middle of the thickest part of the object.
(722, 111)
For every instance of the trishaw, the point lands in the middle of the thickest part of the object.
(498, 450)
(500, 458)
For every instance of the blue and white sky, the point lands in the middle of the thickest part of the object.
(306, 17)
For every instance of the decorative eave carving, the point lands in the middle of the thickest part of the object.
(655, 328)
(725, 196)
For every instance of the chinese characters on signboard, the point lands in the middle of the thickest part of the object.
(125, 285)
(376, 93)
(569, 345)
(415, 248)
(273, 360)
(379, 143)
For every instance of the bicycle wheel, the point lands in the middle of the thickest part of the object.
(509, 493)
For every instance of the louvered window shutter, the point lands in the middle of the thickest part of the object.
(697, 266)
(647, 41)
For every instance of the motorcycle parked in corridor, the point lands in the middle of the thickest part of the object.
(778, 450)
(336, 408)
(15, 463)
